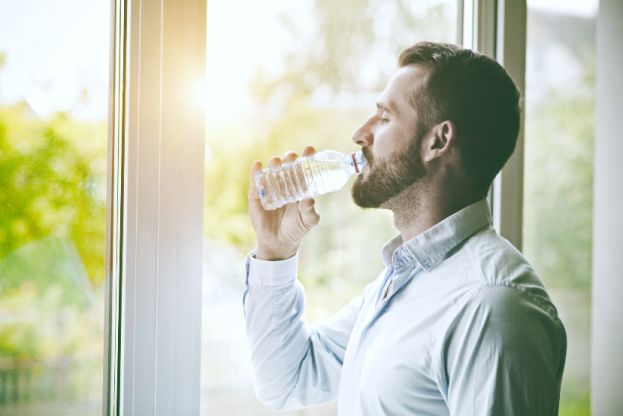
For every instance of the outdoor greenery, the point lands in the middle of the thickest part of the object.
(52, 245)
(559, 186)
(558, 220)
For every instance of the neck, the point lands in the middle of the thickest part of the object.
(416, 209)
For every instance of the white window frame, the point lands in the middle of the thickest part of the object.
(155, 215)
(497, 28)
(156, 182)
(606, 318)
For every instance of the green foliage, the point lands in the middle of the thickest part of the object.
(558, 217)
(52, 177)
(52, 239)
(559, 187)
(575, 403)
(57, 265)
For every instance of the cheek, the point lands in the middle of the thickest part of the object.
(383, 143)
(389, 141)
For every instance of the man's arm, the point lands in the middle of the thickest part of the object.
(505, 355)
(295, 365)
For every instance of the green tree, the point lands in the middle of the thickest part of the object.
(52, 236)
(52, 184)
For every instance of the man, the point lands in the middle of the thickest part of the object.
(458, 323)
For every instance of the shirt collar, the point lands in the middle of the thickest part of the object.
(429, 248)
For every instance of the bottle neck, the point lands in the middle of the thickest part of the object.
(357, 161)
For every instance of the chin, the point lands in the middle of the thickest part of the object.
(359, 195)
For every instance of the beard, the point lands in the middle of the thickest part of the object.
(390, 177)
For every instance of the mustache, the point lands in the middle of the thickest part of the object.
(367, 155)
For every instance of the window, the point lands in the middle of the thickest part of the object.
(560, 88)
(53, 152)
(280, 76)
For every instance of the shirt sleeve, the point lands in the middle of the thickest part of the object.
(505, 355)
(295, 364)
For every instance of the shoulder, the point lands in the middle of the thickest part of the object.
(508, 320)
(506, 286)
(503, 322)
(496, 258)
(496, 263)
(510, 302)
(505, 301)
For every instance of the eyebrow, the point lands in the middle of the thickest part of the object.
(390, 107)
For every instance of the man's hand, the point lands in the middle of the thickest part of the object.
(279, 232)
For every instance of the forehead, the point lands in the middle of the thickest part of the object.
(403, 84)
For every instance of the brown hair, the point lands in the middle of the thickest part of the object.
(477, 94)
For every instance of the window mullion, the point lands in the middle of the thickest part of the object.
(498, 29)
(163, 199)
(115, 211)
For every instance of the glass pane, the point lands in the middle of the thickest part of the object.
(560, 84)
(53, 150)
(309, 73)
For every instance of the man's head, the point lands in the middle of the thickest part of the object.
(447, 111)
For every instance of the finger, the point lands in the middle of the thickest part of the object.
(309, 150)
(255, 167)
(274, 161)
(289, 157)
(309, 216)
(307, 205)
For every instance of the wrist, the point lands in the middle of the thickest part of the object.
(274, 253)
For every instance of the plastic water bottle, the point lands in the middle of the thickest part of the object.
(321, 173)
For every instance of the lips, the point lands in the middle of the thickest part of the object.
(367, 155)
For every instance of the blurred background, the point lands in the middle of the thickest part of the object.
(53, 149)
(280, 75)
(284, 74)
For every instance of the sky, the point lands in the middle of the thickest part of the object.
(237, 45)
(54, 50)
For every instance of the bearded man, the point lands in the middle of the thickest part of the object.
(458, 323)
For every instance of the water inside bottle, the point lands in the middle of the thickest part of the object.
(303, 179)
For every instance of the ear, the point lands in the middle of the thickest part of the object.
(439, 141)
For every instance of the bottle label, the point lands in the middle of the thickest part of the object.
(352, 155)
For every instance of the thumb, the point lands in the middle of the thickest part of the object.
(309, 216)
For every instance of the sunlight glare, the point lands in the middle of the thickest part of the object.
(236, 47)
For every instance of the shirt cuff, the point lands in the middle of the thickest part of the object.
(271, 273)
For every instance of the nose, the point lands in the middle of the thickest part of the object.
(364, 135)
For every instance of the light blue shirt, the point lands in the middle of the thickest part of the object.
(466, 329)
